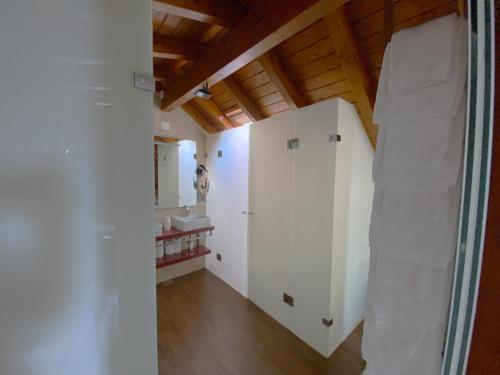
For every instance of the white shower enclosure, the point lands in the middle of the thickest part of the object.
(310, 194)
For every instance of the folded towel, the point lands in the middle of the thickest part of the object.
(414, 280)
(439, 100)
(425, 243)
(422, 155)
(390, 353)
(429, 312)
(422, 56)
(440, 207)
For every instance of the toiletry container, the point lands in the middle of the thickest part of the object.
(167, 223)
(169, 248)
(160, 251)
(176, 246)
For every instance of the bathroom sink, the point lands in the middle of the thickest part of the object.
(190, 222)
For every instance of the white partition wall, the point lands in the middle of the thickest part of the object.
(312, 204)
(269, 202)
(351, 222)
(227, 206)
(77, 267)
(311, 207)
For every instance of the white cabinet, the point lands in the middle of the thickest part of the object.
(227, 206)
(311, 201)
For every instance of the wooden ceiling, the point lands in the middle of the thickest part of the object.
(263, 57)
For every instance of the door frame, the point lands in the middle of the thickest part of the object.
(475, 186)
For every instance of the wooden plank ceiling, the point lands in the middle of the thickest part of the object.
(263, 57)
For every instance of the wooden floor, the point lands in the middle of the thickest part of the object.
(206, 328)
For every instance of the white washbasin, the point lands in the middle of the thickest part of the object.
(190, 222)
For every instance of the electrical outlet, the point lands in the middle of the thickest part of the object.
(288, 299)
(219, 257)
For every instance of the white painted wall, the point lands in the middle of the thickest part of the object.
(226, 203)
(351, 221)
(77, 284)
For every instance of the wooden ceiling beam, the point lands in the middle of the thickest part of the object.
(166, 48)
(242, 99)
(267, 24)
(162, 72)
(339, 29)
(388, 20)
(217, 12)
(214, 111)
(277, 73)
(198, 117)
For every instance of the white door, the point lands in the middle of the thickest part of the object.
(269, 206)
(77, 277)
(227, 206)
(313, 181)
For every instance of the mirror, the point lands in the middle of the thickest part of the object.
(175, 166)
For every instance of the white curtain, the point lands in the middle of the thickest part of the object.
(421, 110)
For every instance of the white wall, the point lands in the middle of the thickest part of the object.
(351, 222)
(181, 126)
(76, 241)
(226, 202)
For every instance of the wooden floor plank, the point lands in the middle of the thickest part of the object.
(206, 328)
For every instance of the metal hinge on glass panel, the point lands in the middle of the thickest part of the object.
(292, 143)
(288, 299)
(144, 81)
(335, 138)
(327, 322)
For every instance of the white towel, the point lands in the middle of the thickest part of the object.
(413, 279)
(426, 313)
(440, 207)
(425, 243)
(422, 56)
(422, 155)
(417, 144)
(388, 354)
(438, 100)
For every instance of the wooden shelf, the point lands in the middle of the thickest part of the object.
(175, 233)
(184, 255)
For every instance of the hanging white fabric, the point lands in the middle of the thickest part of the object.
(409, 69)
(421, 109)
(440, 100)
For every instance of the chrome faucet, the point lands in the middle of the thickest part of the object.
(187, 210)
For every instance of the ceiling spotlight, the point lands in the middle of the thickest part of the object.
(204, 92)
